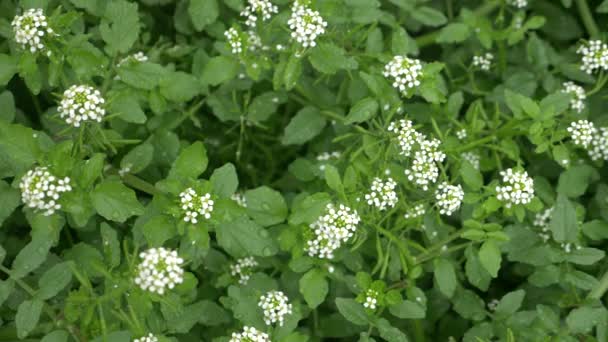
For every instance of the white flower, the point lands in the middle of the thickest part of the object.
(149, 338)
(542, 219)
(81, 103)
(461, 134)
(594, 56)
(582, 132)
(239, 199)
(431, 150)
(518, 188)
(493, 304)
(472, 158)
(578, 96)
(449, 197)
(194, 205)
(159, 270)
(243, 268)
(250, 334)
(276, 306)
(371, 299)
(599, 145)
(234, 39)
(306, 25)
(483, 62)
(416, 211)
(332, 229)
(404, 72)
(326, 156)
(407, 136)
(138, 57)
(567, 247)
(41, 190)
(382, 195)
(254, 41)
(125, 170)
(30, 29)
(258, 8)
(424, 170)
(518, 3)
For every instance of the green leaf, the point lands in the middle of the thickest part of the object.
(563, 224)
(329, 59)
(332, 177)
(203, 13)
(309, 209)
(390, 333)
(159, 229)
(582, 320)
(509, 304)
(352, 311)
(120, 26)
(445, 277)
(490, 257)
(31, 256)
(243, 237)
(264, 106)
(10, 199)
(19, 148)
(225, 180)
(454, 33)
(603, 7)
(138, 158)
(402, 43)
(471, 176)
(53, 281)
(596, 229)
(266, 206)
(476, 273)
(190, 163)
(304, 126)
(56, 336)
(111, 245)
(7, 103)
(408, 309)
(126, 105)
(574, 181)
(219, 70)
(28, 315)
(362, 111)
(314, 287)
(115, 202)
(141, 75)
(8, 68)
(429, 16)
(293, 71)
(179, 86)
(585, 256)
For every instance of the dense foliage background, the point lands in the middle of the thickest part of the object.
(399, 170)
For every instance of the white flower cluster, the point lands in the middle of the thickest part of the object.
(483, 62)
(138, 57)
(41, 190)
(243, 268)
(326, 156)
(81, 103)
(258, 8)
(306, 25)
(493, 304)
(194, 205)
(331, 230)
(371, 299)
(424, 170)
(416, 211)
(249, 334)
(594, 56)
(30, 28)
(406, 134)
(582, 132)
(240, 199)
(578, 95)
(518, 3)
(518, 188)
(405, 73)
(599, 145)
(159, 270)
(276, 306)
(542, 220)
(461, 134)
(567, 246)
(472, 158)
(234, 39)
(382, 194)
(449, 197)
(149, 338)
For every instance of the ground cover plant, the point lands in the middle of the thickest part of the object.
(292, 171)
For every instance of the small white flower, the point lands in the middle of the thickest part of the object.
(371, 299)
(449, 197)
(240, 199)
(424, 170)
(567, 247)
(493, 304)
(258, 9)
(243, 268)
(582, 132)
(578, 96)
(125, 170)
(483, 62)
(518, 188)
(159, 270)
(254, 42)
(306, 25)
(472, 158)
(405, 73)
(31, 28)
(149, 338)
(327, 156)
(594, 56)
(518, 3)
(234, 39)
(382, 194)
(138, 57)
(81, 103)
(41, 190)
(331, 230)
(406, 135)
(461, 134)
(193, 205)
(276, 306)
(250, 334)
(542, 219)
(599, 145)
(414, 212)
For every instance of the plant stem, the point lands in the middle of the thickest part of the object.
(587, 17)
(140, 184)
(601, 288)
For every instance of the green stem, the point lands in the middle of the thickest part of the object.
(601, 288)
(587, 17)
(402, 247)
(140, 184)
